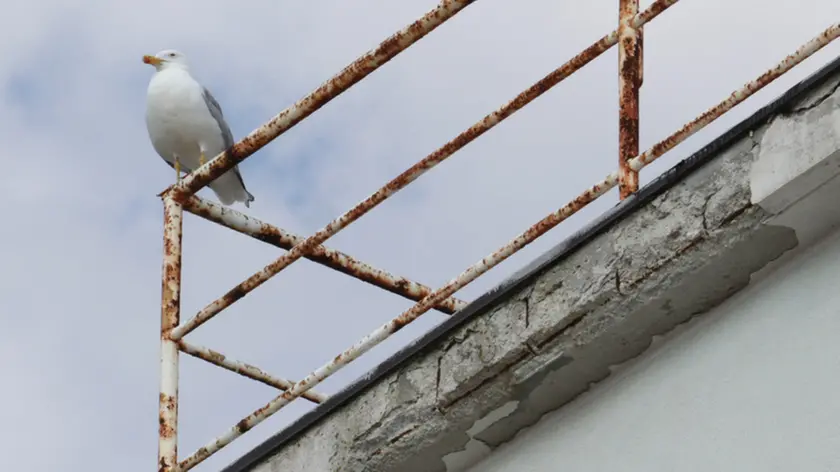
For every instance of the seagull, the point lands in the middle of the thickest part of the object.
(186, 125)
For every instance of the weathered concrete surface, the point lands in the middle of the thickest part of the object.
(546, 341)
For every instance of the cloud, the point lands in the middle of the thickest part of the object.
(82, 245)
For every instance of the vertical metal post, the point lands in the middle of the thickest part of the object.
(629, 82)
(170, 317)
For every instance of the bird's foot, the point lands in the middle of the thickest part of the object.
(201, 159)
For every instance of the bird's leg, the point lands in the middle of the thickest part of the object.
(177, 166)
(201, 159)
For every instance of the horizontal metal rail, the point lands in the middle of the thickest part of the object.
(415, 171)
(288, 118)
(243, 369)
(507, 250)
(331, 258)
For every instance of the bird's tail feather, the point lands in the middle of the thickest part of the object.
(229, 189)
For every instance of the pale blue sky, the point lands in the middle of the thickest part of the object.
(82, 226)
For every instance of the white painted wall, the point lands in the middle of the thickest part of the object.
(752, 386)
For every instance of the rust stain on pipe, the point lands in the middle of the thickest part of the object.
(630, 78)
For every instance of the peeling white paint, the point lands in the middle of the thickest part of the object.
(797, 154)
(750, 386)
(796, 175)
(475, 450)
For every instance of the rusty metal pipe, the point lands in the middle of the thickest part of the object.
(805, 51)
(415, 171)
(331, 258)
(349, 76)
(630, 74)
(459, 282)
(245, 370)
(170, 317)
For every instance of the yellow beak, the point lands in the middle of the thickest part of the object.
(151, 60)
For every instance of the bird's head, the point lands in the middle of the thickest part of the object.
(166, 58)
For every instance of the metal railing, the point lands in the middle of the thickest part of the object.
(180, 197)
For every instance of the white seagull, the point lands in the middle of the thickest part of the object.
(186, 125)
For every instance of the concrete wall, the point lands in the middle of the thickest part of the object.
(751, 386)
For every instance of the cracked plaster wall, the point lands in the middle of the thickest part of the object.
(682, 254)
(750, 386)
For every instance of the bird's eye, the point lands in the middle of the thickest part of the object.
(171, 54)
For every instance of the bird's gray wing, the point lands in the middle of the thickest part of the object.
(227, 136)
(216, 113)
